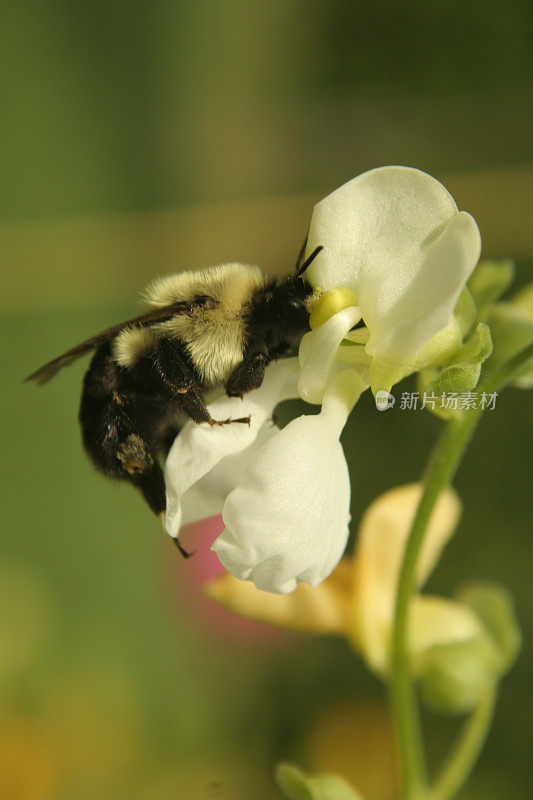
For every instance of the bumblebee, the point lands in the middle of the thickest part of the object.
(219, 326)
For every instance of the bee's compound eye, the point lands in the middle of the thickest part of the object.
(205, 302)
(295, 302)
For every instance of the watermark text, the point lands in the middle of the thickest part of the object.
(447, 401)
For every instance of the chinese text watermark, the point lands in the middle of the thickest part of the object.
(451, 401)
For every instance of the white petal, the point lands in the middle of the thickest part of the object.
(199, 448)
(207, 496)
(395, 237)
(379, 551)
(287, 521)
(426, 304)
(318, 352)
(342, 393)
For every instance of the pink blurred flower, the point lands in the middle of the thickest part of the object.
(185, 580)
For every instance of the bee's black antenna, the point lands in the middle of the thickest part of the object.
(309, 260)
(301, 255)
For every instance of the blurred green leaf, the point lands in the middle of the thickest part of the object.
(512, 331)
(488, 282)
(296, 785)
(27, 615)
(523, 301)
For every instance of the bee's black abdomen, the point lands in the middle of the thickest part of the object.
(103, 419)
(122, 432)
(151, 483)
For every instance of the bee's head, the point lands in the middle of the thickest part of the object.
(279, 310)
(296, 315)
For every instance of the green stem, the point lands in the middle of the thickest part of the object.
(443, 463)
(441, 468)
(467, 749)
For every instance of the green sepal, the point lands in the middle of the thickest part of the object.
(424, 379)
(454, 677)
(458, 378)
(297, 785)
(463, 375)
(488, 282)
(465, 312)
(494, 606)
(477, 348)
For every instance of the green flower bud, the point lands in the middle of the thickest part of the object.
(453, 677)
(296, 785)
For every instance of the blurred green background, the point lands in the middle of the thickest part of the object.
(140, 138)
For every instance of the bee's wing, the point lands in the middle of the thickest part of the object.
(49, 370)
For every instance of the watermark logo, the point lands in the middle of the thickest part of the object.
(451, 401)
(384, 400)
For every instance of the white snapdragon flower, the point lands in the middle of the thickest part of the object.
(393, 237)
(396, 254)
(284, 495)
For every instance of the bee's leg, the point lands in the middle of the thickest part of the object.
(177, 375)
(193, 404)
(280, 351)
(173, 368)
(185, 553)
(250, 373)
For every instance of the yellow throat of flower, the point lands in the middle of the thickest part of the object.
(323, 305)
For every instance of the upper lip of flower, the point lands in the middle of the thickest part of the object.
(395, 237)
